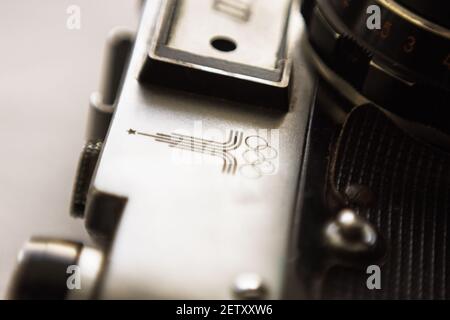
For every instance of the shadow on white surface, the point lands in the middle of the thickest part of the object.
(47, 74)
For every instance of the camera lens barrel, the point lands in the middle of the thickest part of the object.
(436, 11)
(402, 64)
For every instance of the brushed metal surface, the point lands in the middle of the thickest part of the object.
(188, 230)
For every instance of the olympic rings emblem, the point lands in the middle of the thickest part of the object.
(258, 158)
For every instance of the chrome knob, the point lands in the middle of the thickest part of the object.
(46, 265)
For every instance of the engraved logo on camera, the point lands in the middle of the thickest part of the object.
(250, 155)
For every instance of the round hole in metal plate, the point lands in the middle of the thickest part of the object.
(223, 44)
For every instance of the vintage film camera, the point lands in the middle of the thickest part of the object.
(263, 150)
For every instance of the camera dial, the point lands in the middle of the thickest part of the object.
(393, 53)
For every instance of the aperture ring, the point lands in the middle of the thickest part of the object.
(403, 39)
(407, 93)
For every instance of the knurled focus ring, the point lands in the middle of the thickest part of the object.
(409, 76)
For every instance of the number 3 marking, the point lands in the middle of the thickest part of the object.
(410, 44)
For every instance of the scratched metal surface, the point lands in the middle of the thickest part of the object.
(47, 74)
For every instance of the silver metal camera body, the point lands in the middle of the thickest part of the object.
(196, 229)
(195, 190)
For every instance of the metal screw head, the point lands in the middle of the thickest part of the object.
(350, 233)
(249, 286)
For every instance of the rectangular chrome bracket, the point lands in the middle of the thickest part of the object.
(223, 48)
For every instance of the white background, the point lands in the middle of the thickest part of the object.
(47, 73)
